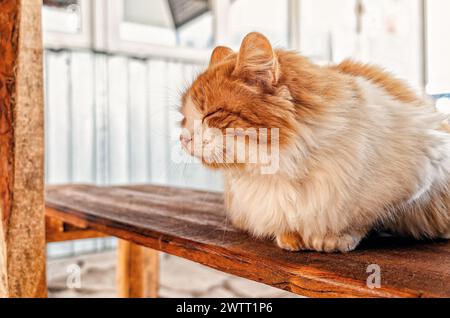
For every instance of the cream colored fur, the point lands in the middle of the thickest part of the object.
(371, 162)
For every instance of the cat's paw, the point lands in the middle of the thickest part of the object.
(290, 242)
(334, 243)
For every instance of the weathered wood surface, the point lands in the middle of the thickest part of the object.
(192, 225)
(59, 231)
(22, 232)
(137, 271)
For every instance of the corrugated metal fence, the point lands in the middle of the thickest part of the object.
(112, 119)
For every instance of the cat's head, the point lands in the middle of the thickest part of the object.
(238, 106)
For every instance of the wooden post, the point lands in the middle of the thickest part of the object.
(137, 271)
(22, 231)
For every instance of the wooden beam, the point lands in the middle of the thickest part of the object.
(137, 271)
(59, 231)
(22, 233)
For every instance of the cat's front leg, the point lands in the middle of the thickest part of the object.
(329, 243)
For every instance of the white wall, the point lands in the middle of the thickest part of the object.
(113, 120)
(439, 46)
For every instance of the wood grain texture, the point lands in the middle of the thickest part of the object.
(192, 224)
(22, 236)
(137, 271)
(58, 231)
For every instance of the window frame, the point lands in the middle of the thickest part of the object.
(116, 44)
(101, 24)
(83, 39)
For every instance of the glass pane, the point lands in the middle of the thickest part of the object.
(151, 13)
(198, 33)
(269, 17)
(187, 23)
(61, 16)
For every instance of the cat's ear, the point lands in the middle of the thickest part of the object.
(219, 54)
(257, 60)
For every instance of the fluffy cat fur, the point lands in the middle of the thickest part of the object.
(359, 150)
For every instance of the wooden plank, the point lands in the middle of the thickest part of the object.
(101, 118)
(158, 121)
(193, 225)
(58, 125)
(118, 121)
(137, 90)
(137, 271)
(82, 117)
(22, 232)
(58, 231)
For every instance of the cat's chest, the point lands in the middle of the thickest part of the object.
(261, 204)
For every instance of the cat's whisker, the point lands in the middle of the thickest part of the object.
(184, 171)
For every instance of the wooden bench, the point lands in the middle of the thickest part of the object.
(192, 224)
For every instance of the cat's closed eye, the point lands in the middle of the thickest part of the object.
(211, 114)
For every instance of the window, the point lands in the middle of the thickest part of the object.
(178, 29)
(197, 33)
(166, 22)
(386, 32)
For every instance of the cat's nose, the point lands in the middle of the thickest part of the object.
(185, 140)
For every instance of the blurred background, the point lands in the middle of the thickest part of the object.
(115, 69)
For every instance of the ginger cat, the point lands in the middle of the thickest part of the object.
(356, 149)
